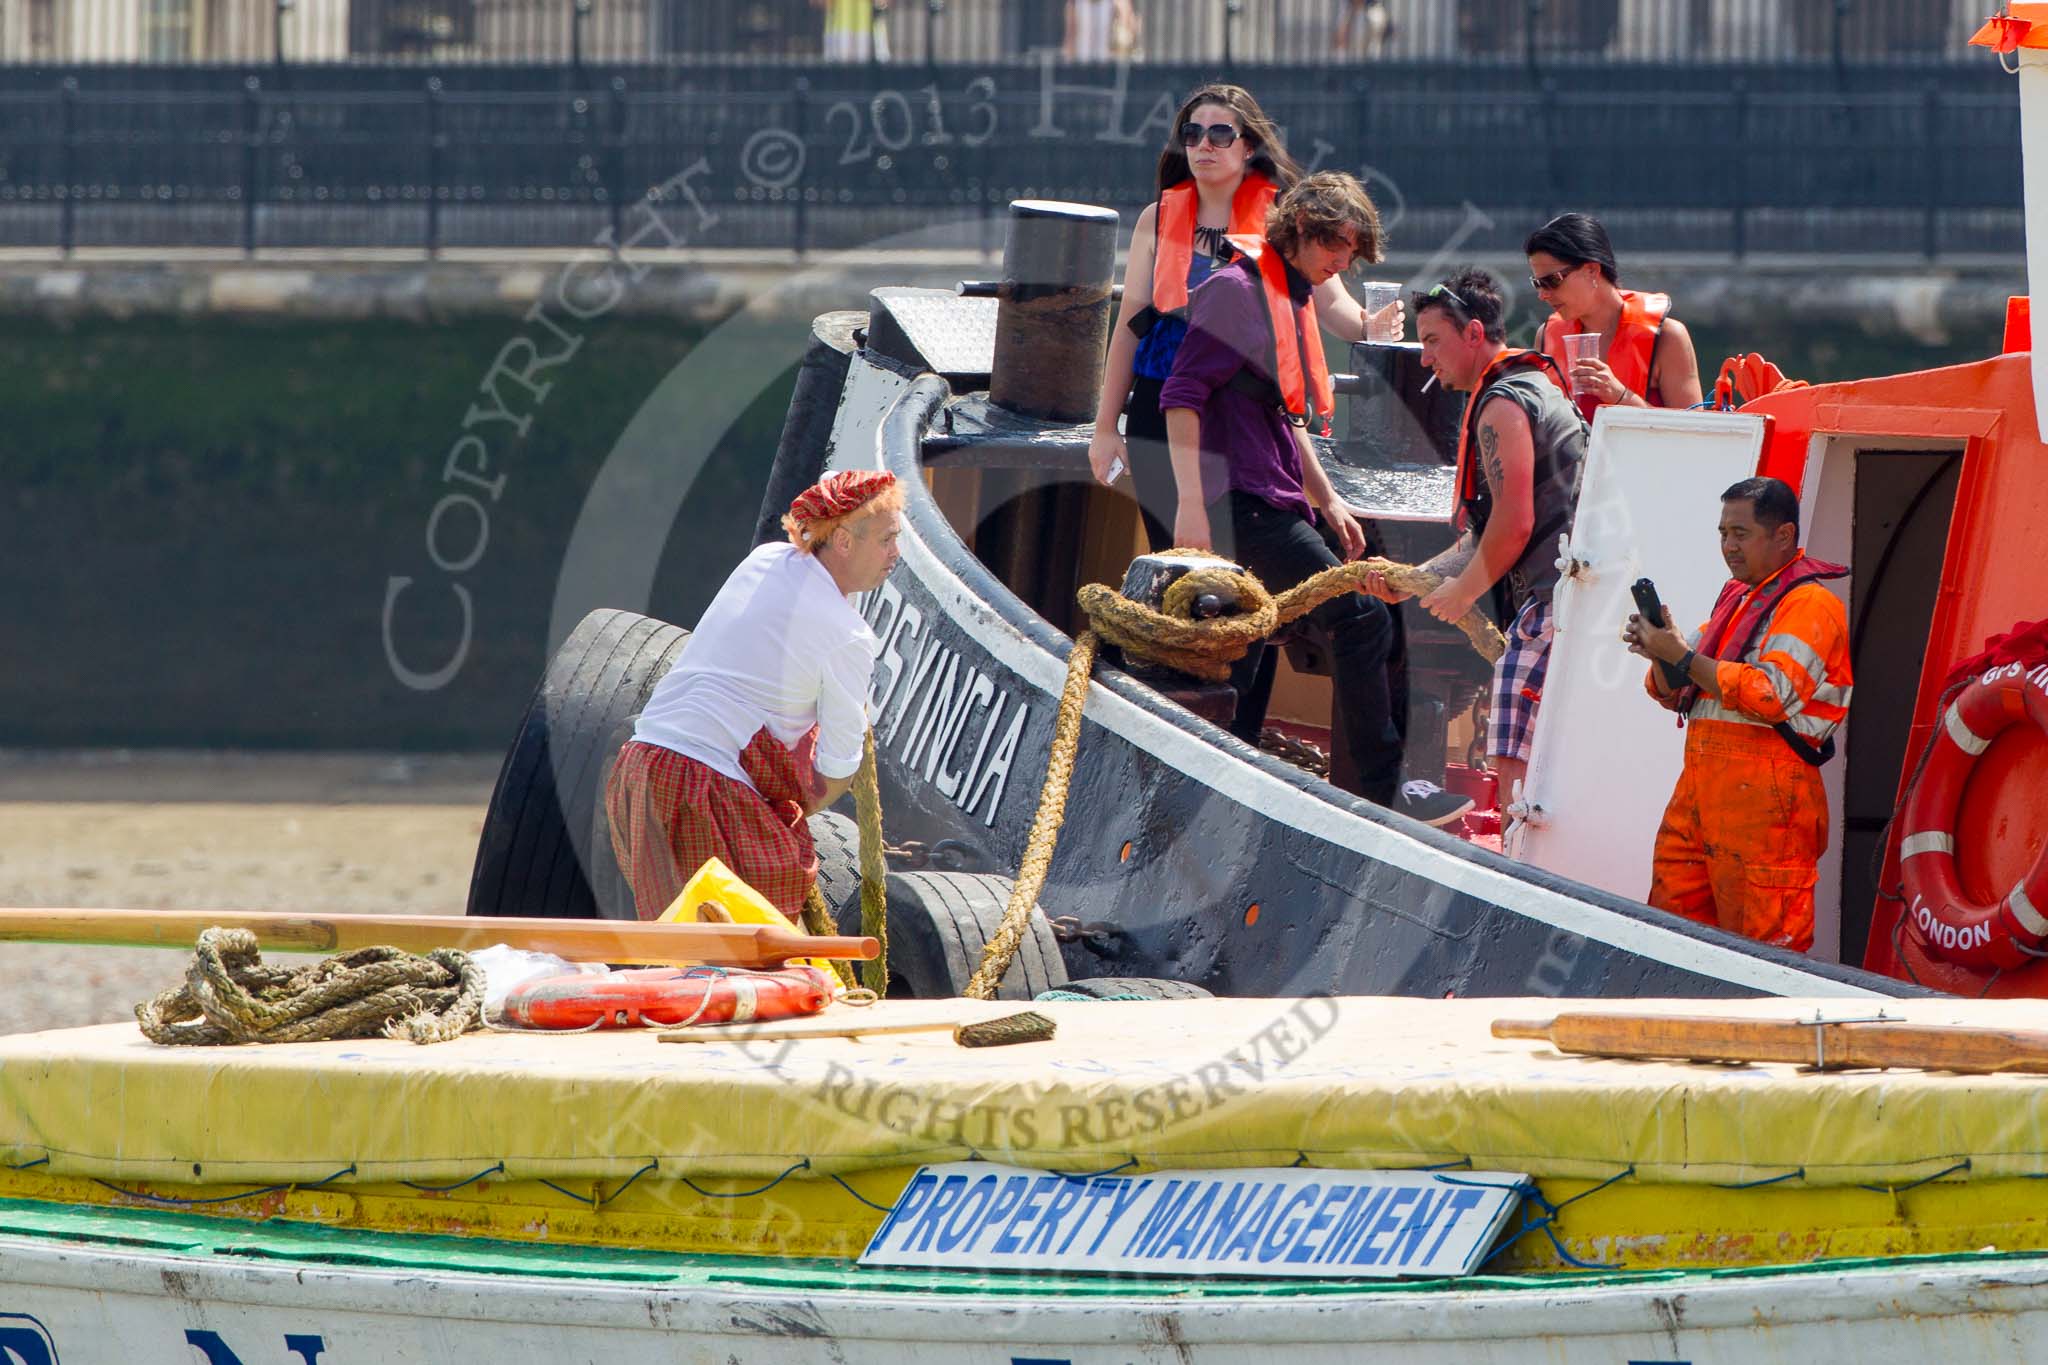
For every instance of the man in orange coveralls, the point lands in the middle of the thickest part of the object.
(1766, 683)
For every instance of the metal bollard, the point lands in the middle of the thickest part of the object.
(1052, 324)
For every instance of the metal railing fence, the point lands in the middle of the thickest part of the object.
(817, 159)
(1334, 33)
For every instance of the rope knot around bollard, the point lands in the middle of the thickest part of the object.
(1174, 636)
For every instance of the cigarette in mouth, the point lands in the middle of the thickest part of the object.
(1429, 383)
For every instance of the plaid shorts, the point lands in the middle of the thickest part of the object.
(670, 813)
(1518, 683)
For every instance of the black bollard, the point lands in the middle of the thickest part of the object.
(1149, 576)
(1052, 324)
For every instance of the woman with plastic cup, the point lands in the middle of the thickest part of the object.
(1614, 345)
(1223, 167)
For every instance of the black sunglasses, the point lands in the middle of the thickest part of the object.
(1219, 134)
(1547, 283)
(1449, 295)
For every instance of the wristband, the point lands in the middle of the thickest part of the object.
(1684, 665)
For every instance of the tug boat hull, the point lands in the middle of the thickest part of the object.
(1188, 854)
(82, 1305)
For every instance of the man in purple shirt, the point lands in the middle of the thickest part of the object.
(1249, 483)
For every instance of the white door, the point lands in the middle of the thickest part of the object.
(1606, 757)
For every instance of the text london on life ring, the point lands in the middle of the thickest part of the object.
(1955, 928)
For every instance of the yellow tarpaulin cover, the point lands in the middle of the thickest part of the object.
(1355, 1082)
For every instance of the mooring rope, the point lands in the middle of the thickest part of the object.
(231, 995)
(874, 872)
(1045, 825)
(874, 882)
(1173, 637)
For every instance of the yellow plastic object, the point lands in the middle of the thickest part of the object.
(716, 884)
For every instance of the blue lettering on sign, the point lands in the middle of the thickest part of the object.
(304, 1345)
(24, 1341)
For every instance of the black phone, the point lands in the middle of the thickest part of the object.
(1652, 609)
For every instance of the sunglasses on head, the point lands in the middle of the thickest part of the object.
(1547, 283)
(1219, 134)
(1449, 295)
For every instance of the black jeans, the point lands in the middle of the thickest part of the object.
(1281, 549)
(1151, 477)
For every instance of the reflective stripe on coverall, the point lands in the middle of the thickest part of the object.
(1743, 834)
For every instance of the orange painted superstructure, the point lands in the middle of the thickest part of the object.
(1994, 574)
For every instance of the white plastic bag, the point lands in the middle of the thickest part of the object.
(506, 968)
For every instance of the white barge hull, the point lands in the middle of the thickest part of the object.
(72, 1305)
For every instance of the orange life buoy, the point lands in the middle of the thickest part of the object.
(668, 995)
(1952, 926)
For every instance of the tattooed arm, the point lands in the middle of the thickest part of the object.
(1452, 562)
(1507, 461)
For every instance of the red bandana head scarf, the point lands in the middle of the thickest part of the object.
(837, 495)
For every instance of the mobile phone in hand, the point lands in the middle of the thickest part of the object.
(1652, 609)
(1116, 469)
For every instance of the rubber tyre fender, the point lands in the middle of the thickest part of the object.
(838, 842)
(1150, 987)
(939, 922)
(545, 813)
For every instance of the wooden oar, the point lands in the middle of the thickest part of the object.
(1816, 1043)
(579, 940)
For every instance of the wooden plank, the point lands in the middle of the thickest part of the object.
(1842, 1045)
(578, 940)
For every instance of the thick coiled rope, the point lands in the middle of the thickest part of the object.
(231, 995)
(874, 872)
(1205, 649)
(1045, 825)
(874, 880)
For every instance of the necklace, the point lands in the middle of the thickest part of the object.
(1215, 241)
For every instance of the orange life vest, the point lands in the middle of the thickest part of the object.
(1173, 246)
(1301, 375)
(1506, 360)
(1634, 351)
(1797, 648)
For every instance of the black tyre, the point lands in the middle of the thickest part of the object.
(838, 841)
(1145, 987)
(545, 814)
(939, 922)
(609, 890)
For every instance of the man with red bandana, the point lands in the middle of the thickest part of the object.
(761, 721)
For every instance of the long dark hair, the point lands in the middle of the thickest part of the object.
(1575, 238)
(1269, 151)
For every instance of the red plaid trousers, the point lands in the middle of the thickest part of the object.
(669, 814)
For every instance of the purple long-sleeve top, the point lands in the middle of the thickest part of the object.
(1247, 446)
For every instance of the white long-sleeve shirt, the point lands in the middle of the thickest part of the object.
(780, 647)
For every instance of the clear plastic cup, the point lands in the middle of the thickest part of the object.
(1375, 295)
(1581, 346)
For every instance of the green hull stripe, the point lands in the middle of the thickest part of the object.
(303, 1244)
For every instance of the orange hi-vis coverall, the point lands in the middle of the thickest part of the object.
(1742, 837)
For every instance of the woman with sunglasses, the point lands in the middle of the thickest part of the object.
(1648, 358)
(1218, 176)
